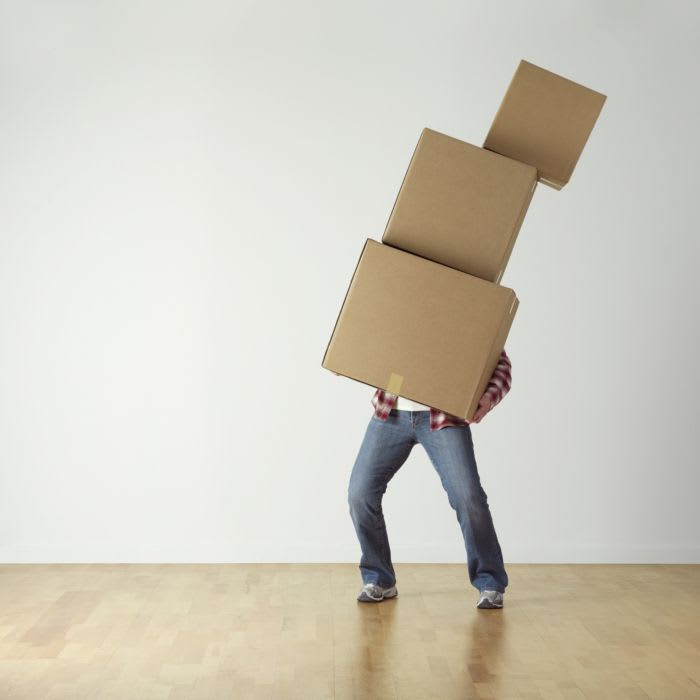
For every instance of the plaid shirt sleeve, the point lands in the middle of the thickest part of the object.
(499, 384)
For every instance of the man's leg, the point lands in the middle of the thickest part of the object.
(385, 448)
(451, 452)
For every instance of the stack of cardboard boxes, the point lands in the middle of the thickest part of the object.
(424, 316)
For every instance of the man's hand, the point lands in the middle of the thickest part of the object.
(485, 405)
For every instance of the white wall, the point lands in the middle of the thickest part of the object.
(184, 191)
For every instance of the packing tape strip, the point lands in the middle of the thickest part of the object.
(395, 382)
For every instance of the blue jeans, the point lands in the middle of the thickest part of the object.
(385, 448)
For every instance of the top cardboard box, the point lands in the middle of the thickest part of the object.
(544, 120)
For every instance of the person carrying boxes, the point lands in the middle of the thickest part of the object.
(446, 245)
(390, 436)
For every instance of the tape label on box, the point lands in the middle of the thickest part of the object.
(395, 382)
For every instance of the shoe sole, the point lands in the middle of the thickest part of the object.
(364, 598)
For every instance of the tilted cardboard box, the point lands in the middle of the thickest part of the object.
(460, 205)
(544, 120)
(420, 329)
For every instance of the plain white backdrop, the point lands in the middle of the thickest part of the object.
(185, 189)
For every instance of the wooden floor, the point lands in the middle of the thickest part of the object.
(286, 631)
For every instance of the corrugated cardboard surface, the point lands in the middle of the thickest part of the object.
(544, 120)
(460, 205)
(420, 329)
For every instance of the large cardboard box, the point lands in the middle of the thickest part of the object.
(460, 205)
(420, 329)
(544, 120)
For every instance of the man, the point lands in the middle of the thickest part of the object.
(394, 428)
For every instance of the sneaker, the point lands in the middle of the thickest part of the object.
(490, 599)
(372, 593)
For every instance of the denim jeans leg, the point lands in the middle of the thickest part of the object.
(385, 448)
(451, 452)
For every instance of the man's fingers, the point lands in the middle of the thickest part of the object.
(485, 405)
(480, 413)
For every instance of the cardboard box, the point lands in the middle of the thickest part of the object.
(460, 205)
(420, 329)
(544, 120)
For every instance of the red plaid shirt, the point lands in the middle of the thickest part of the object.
(497, 387)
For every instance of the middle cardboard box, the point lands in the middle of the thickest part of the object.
(420, 329)
(461, 205)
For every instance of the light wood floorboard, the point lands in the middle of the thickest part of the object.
(288, 631)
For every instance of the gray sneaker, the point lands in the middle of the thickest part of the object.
(372, 593)
(490, 599)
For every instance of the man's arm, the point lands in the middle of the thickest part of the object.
(499, 384)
